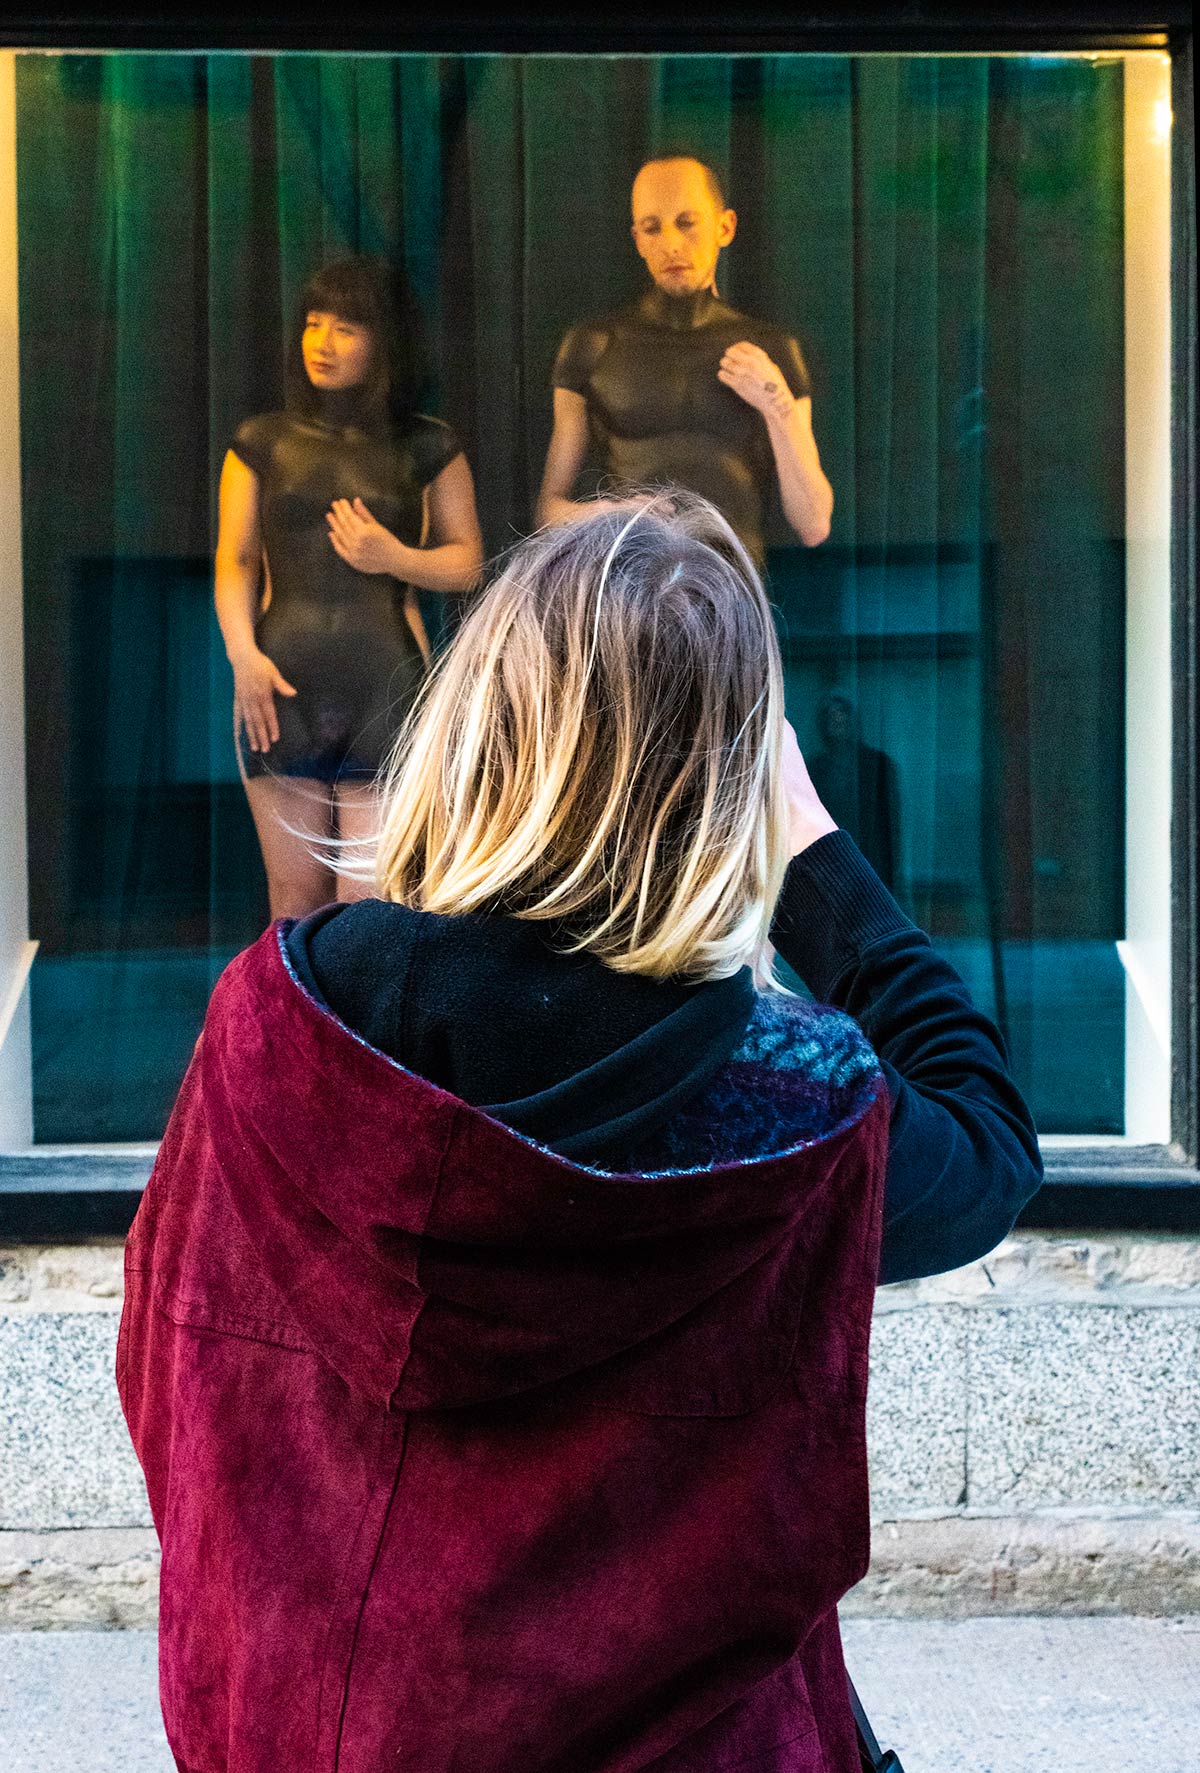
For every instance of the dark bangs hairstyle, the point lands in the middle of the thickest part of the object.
(368, 291)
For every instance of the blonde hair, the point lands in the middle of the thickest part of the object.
(600, 748)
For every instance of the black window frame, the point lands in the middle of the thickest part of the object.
(89, 1191)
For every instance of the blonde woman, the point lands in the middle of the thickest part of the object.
(496, 1325)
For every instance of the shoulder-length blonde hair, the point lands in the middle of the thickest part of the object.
(600, 748)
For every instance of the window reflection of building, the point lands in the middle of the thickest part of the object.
(858, 784)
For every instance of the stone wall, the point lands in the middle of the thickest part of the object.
(1034, 1422)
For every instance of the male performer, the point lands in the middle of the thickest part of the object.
(680, 387)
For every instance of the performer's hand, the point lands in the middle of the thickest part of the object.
(807, 818)
(361, 541)
(256, 683)
(748, 370)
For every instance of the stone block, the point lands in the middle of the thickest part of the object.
(1083, 1405)
(63, 1277)
(966, 1566)
(65, 1454)
(917, 1409)
(961, 1566)
(105, 1576)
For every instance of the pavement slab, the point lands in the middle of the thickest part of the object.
(1024, 1695)
(1030, 1695)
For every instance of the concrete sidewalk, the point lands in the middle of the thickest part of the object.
(964, 1696)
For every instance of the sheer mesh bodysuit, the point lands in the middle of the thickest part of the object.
(339, 636)
(658, 413)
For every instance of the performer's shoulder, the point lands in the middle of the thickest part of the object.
(432, 442)
(427, 425)
(581, 348)
(264, 424)
(255, 438)
(596, 328)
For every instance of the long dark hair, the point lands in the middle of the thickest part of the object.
(370, 292)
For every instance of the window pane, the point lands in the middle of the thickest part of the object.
(946, 238)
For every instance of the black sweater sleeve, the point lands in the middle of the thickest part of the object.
(963, 1154)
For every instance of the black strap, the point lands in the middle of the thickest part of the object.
(873, 1758)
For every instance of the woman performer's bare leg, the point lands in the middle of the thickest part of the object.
(357, 815)
(297, 882)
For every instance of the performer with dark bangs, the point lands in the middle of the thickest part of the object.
(332, 512)
(680, 387)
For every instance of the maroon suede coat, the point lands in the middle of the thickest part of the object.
(467, 1459)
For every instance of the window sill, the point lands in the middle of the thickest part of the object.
(74, 1192)
(1115, 1188)
(71, 1192)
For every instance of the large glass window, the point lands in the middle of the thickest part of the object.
(971, 253)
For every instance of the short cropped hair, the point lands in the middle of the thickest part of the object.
(600, 748)
(714, 180)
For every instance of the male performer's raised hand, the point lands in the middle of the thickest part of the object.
(748, 370)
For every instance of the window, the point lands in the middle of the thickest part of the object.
(973, 252)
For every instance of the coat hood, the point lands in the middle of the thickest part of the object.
(435, 1258)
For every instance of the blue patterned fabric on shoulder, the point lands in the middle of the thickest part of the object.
(800, 1071)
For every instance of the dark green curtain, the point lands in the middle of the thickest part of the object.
(944, 236)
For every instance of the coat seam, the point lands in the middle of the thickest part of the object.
(363, 1598)
(422, 1236)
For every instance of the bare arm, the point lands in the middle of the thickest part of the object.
(804, 489)
(453, 560)
(256, 682)
(564, 459)
(239, 556)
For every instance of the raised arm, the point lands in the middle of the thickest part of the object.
(454, 557)
(963, 1154)
(804, 488)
